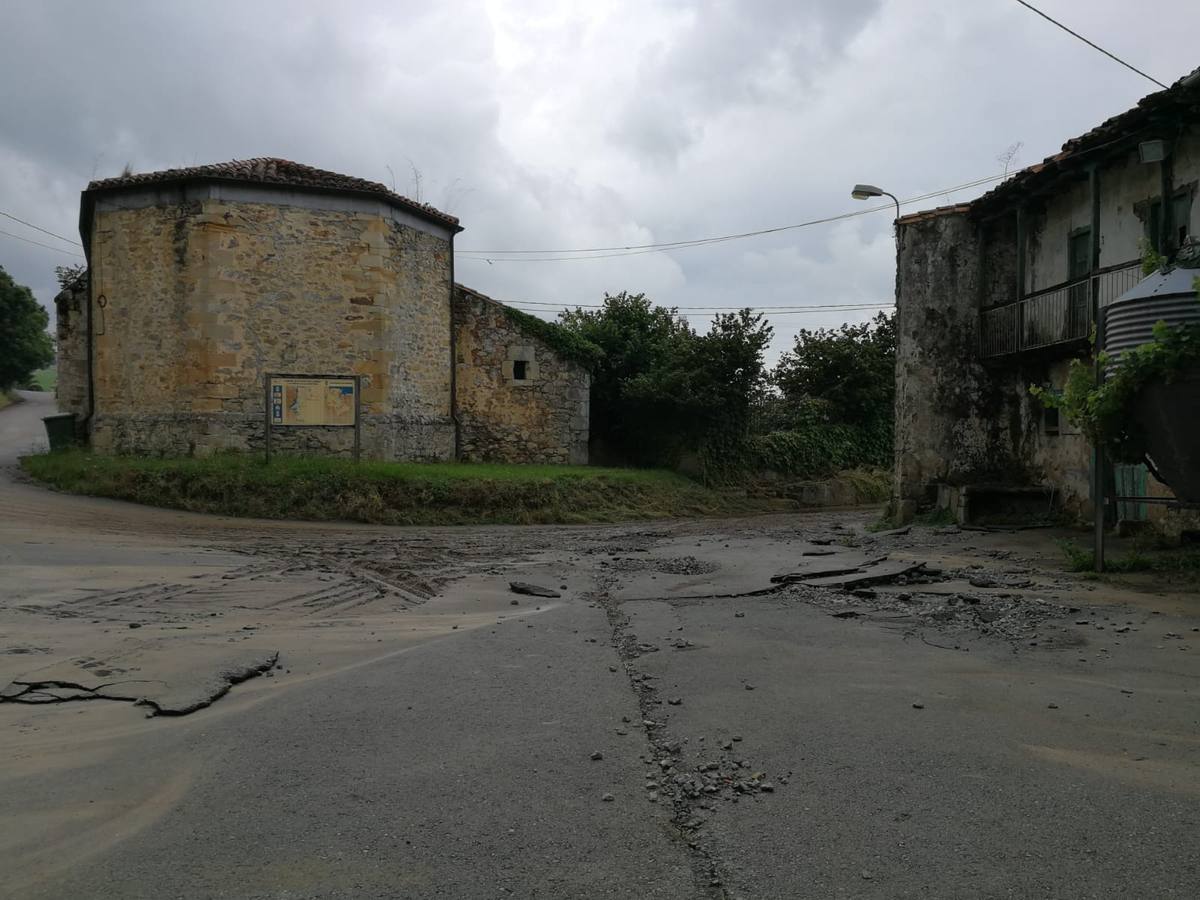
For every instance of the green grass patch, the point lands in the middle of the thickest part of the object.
(1168, 561)
(44, 379)
(871, 485)
(387, 493)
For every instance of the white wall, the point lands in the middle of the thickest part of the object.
(1124, 184)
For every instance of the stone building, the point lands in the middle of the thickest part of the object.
(517, 396)
(204, 281)
(1002, 293)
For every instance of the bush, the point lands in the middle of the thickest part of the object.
(661, 389)
(822, 449)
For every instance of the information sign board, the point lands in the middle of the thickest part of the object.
(307, 401)
(312, 401)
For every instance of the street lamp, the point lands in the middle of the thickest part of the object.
(867, 191)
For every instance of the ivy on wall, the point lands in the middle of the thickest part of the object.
(566, 343)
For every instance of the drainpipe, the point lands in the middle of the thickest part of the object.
(86, 425)
(1021, 241)
(454, 362)
(1166, 226)
(1099, 463)
(1094, 282)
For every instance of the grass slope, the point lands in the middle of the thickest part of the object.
(387, 493)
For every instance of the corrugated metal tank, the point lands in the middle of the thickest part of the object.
(1168, 413)
(1159, 297)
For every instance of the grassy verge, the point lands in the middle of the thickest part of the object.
(1173, 561)
(388, 493)
(45, 379)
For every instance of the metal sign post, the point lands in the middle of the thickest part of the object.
(313, 401)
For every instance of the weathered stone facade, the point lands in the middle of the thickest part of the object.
(961, 423)
(204, 282)
(518, 400)
(1000, 294)
(71, 308)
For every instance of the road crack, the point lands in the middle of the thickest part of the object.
(693, 791)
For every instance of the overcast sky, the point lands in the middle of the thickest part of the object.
(553, 124)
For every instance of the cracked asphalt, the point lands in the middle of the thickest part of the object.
(675, 725)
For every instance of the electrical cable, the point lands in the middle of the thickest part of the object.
(40, 244)
(1076, 34)
(727, 307)
(635, 249)
(39, 228)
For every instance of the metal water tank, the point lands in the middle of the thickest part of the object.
(1169, 414)
(1159, 297)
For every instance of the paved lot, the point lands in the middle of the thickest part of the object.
(995, 729)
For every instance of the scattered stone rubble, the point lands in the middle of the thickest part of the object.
(675, 565)
(1001, 606)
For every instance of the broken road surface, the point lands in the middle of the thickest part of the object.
(676, 724)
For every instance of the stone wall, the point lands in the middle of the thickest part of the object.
(71, 309)
(194, 302)
(540, 418)
(955, 421)
(958, 421)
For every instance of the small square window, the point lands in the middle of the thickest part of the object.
(520, 370)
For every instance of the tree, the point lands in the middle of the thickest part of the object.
(848, 373)
(636, 336)
(662, 389)
(68, 276)
(25, 346)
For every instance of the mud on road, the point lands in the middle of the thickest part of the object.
(767, 707)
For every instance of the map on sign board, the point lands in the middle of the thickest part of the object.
(312, 401)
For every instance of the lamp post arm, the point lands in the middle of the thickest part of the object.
(894, 200)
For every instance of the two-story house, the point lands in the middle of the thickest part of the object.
(1001, 293)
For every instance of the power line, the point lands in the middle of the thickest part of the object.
(814, 306)
(636, 249)
(490, 256)
(40, 244)
(39, 228)
(794, 312)
(767, 313)
(1111, 56)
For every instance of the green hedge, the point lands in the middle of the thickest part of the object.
(819, 450)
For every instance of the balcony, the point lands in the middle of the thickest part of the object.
(1063, 314)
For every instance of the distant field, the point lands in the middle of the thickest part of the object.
(46, 379)
(390, 493)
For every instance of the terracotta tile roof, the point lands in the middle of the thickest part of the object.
(268, 170)
(923, 215)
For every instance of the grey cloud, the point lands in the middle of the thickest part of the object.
(544, 125)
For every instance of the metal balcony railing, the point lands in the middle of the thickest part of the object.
(1062, 314)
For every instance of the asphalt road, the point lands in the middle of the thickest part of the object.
(445, 749)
